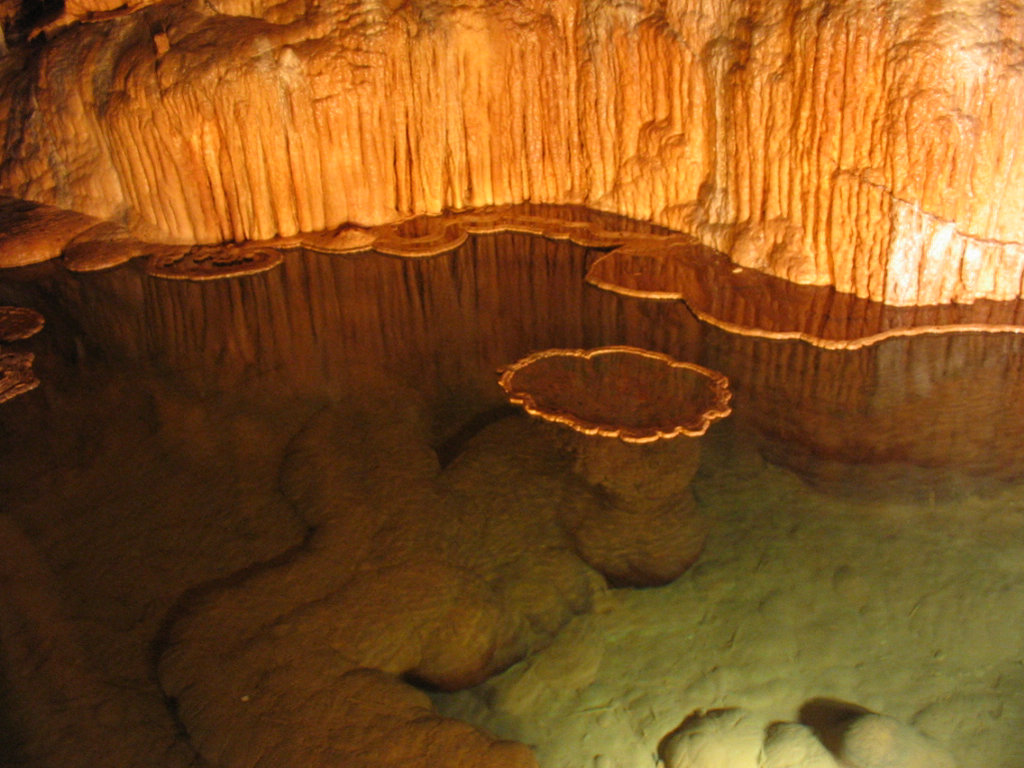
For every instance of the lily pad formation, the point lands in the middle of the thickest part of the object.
(16, 376)
(642, 260)
(753, 303)
(36, 233)
(31, 232)
(17, 323)
(622, 407)
(214, 262)
(632, 394)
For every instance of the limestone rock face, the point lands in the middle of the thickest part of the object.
(868, 146)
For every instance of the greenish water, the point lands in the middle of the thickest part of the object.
(886, 598)
(866, 508)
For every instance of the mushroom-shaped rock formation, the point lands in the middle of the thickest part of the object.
(753, 303)
(623, 405)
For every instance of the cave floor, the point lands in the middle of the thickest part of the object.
(889, 599)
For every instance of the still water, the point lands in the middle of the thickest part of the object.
(865, 508)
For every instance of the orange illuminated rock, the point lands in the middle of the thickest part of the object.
(18, 323)
(423, 236)
(213, 262)
(31, 232)
(16, 376)
(753, 303)
(343, 239)
(109, 245)
(633, 394)
(807, 141)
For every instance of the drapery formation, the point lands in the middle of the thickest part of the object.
(867, 146)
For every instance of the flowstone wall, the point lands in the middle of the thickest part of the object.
(871, 146)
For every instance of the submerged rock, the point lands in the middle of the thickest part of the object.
(721, 738)
(879, 741)
(793, 745)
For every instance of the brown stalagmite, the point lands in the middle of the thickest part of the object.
(867, 147)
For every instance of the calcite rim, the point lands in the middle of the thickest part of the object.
(718, 385)
(820, 315)
(202, 262)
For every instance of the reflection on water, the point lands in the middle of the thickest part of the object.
(444, 325)
(147, 464)
(440, 324)
(952, 404)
